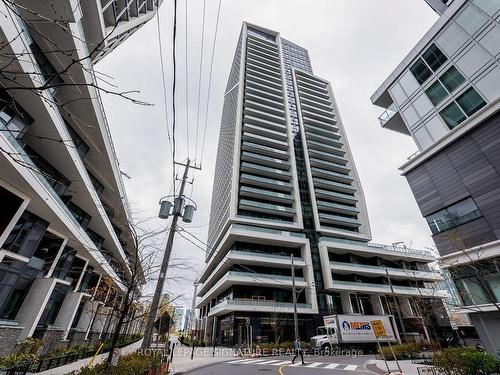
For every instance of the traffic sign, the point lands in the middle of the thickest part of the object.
(378, 328)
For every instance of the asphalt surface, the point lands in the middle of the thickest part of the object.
(282, 365)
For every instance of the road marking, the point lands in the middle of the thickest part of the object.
(315, 364)
(280, 370)
(333, 365)
(267, 362)
(239, 361)
(295, 364)
(254, 361)
(280, 363)
(350, 367)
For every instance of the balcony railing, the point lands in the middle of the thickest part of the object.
(267, 230)
(395, 249)
(387, 114)
(381, 269)
(284, 258)
(257, 276)
(251, 302)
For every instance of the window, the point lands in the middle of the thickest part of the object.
(452, 115)
(451, 79)
(434, 57)
(470, 101)
(453, 216)
(420, 71)
(436, 93)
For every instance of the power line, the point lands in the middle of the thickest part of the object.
(165, 104)
(199, 78)
(173, 86)
(210, 81)
(187, 79)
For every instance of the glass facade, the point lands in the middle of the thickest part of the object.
(478, 282)
(457, 214)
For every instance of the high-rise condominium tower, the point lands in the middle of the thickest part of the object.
(286, 186)
(65, 243)
(445, 95)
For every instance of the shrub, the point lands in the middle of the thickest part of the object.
(465, 361)
(30, 345)
(407, 350)
(15, 359)
(132, 364)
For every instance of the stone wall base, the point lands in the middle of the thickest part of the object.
(52, 339)
(76, 338)
(8, 338)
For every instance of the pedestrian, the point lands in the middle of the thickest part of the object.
(298, 351)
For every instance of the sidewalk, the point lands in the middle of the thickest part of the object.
(66, 369)
(407, 367)
(182, 361)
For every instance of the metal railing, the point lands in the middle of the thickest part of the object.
(284, 258)
(256, 275)
(267, 230)
(387, 114)
(396, 249)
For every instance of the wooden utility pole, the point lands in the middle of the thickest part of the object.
(166, 259)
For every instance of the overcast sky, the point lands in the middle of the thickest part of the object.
(355, 44)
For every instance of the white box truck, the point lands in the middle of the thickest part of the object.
(352, 331)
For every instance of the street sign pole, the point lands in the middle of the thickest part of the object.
(394, 355)
(383, 356)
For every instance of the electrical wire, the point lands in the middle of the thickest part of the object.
(210, 81)
(173, 86)
(187, 79)
(165, 104)
(199, 78)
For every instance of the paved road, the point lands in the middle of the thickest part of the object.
(283, 366)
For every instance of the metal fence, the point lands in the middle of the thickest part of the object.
(45, 364)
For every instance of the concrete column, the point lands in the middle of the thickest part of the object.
(405, 306)
(214, 329)
(377, 304)
(33, 306)
(346, 303)
(67, 312)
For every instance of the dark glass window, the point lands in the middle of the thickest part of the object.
(436, 93)
(98, 186)
(80, 215)
(434, 57)
(420, 71)
(26, 235)
(470, 101)
(453, 216)
(80, 144)
(452, 115)
(96, 239)
(451, 79)
(13, 117)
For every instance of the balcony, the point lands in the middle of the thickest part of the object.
(277, 102)
(278, 174)
(256, 305)
(324, 148)
(328, 156)
(269, 208)
(265, 140)
(247, 191)
(395, 273)
(329, 165)
(268, 151)
(324, 140)
(264, 107)
(267, 230)
(391, 119)
(339, 220)
(391, 252)
(326, 194)
(252, 279)
(275, 126)
(331, 132)
(386, 289)
(327, 184)
(265, 182)
(265, 160)
(335, 207)
(345, 178)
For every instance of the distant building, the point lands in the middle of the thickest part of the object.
(445, 94)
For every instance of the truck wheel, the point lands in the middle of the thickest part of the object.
(326, 349)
